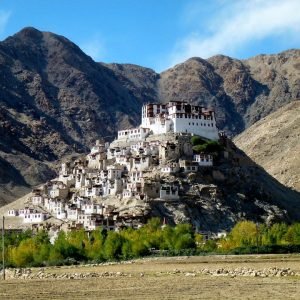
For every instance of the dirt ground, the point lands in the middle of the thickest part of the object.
(147, 279)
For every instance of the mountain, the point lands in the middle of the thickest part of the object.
(273, 143)
(55, 100)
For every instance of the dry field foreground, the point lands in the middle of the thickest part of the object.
(164, 278)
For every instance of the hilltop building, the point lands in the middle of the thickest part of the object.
(173, 117)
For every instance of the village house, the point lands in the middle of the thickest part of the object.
(13, 212)
(133, 134)
(172, 167)
(34, 217)
(188, 166)
(141, 163)
(115, 172)
(57, 189)
(37, 199)
(169, 192)
(203, 160)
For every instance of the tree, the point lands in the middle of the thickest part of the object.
(197, 140)
(244, 233)
(292, 235)
(113, 246)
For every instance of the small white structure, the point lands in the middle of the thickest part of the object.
(136, 176)
(203, 160)
(93, 191)
(170, 168)
(169, 192)
(128, 194)
(58, 190)
(72, 213)
(114, 172)
(61, 214)
(35, 217)
(133, 134)
(13, 212)
(188, 166)
(141, 163)
(37, 200)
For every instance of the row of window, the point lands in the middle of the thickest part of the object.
(30, 216)
(186, 116)
(201, 124)
(132, 131)
(168, 192)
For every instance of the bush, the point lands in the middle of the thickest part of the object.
(197, 140)
(208, 147)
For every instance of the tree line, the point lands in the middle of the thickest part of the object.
(28, 249)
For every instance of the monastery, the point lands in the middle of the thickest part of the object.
(174, 117)
(138, 167)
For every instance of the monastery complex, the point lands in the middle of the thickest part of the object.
(175, 117)
(114, 184)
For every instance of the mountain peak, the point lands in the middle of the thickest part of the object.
(29, 33)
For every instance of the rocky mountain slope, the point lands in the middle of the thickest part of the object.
(273, 143)
(55, 100)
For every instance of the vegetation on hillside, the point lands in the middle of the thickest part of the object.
(29, 249)
(201, 145)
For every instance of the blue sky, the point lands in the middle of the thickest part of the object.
(161, 33)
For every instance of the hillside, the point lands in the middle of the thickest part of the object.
(273, 143)
(56, 101)
(211, 198)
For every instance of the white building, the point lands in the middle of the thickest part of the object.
(170, 168)
(114, 172)
(180, 116)
(133, 134)
(58, 190)
(34, 217)
(169, 192)
(203, 160)
(37, 199)
(188, 166)
(13, 212)
(136, 176)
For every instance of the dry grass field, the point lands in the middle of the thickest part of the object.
(155, 279)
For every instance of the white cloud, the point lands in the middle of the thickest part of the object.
(94, 48)
(4, 16)
(239, 23)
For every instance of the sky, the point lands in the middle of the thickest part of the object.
(161, 33)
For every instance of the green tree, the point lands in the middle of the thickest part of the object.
(197, 140)
(292, 235)
(113, 246)
(244, 233)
